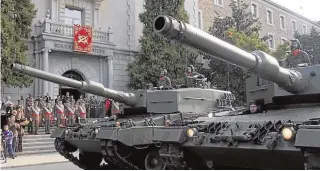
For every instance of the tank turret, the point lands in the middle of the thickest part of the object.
(288, 81)
(186, 100)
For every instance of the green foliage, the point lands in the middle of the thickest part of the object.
(282, 51)
(240, 20)
(16, 20)
(157, 52)
(241, 30)
(311, 44)
(248, 43)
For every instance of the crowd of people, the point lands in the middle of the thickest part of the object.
(13, 123)
(46, 112)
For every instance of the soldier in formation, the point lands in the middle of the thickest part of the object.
(35, 116)
(70, 112)
(59, 112)
(28, 112)
(81, 108)
(40, 111)
(47, 115)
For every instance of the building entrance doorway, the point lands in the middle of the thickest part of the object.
(72, 91)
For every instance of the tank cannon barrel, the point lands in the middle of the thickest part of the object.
(257, 62)
(85, 86)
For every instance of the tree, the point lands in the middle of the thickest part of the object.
(240, 20)
(157, 52)
(241, 30)
(281, 52)
(16, 20)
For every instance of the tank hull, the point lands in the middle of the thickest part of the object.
(252, 141)
(251, 158)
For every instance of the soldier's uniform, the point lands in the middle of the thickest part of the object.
(28, 112)
(59, 110)
(81, 110)
(70, 113)
(82, 113)
(301, 58)
(195, 79)
(297, 56)
(164, 81)
(115, 108)
(47, 115)
(35, 117)
(41, 105)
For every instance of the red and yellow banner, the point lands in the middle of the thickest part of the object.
(82, 38)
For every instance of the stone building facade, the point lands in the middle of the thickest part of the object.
(117, 30)
(277, 21)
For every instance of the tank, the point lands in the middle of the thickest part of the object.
(280, 131)
(126, 142)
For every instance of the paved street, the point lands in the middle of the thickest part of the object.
(53, 166)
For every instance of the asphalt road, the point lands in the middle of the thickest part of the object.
(54, 166)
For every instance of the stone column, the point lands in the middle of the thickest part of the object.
(54, 4)
(110, 71)
(101, 70)
(45, 67)
(96, 17)
(37, 65)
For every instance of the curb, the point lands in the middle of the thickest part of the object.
(26, 165)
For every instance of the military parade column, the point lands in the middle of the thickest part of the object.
(45, 67)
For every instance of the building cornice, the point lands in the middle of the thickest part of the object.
(291, 12)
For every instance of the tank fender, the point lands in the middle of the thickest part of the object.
(308, 138)
(167, 134)
(107, 134)
(58, 133)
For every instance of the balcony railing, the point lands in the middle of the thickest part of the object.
(50, 27)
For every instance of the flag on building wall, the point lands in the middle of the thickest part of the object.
(82, 38)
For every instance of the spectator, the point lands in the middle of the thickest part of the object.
(8, 136)
(21, 122)
(13, 126)
(2, 149)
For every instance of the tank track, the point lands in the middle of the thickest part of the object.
(111, 155)
(62, 150)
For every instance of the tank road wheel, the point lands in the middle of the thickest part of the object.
(63, 147)
(312, 159)
(153, 161)
(91, 161)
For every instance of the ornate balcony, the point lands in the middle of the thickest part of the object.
(59, 36)
(48, 27)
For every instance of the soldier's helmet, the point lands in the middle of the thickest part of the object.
(295, 44)
(164, 72)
